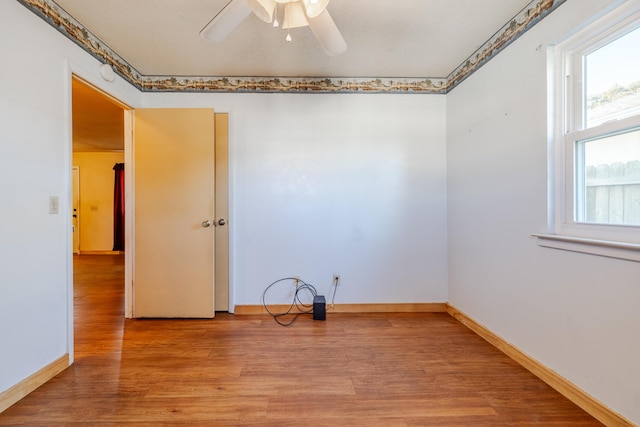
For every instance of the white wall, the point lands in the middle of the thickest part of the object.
(96, 199)
(35, 163)
(347, 184)
(578, 314)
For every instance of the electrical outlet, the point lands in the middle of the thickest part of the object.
(296, 280)
(336, 279)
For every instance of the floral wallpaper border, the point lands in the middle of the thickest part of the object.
(292, 85)
(71, 28)
(520, 24)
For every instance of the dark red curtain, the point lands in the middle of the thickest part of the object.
(118, 208)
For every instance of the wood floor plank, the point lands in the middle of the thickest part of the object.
(259, 386)
(375, 369)
(380, 408)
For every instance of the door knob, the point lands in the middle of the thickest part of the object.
(206, 223)
(222, 221)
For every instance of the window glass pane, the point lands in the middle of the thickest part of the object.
(612, 76)
(608, 179)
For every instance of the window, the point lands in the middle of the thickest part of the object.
(607, 184)
(595, 123)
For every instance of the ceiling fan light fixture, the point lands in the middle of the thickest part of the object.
(294, 16)
(263, 9)
(313, 8)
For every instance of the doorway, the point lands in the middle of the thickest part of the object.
(98, 135)
(115, 141)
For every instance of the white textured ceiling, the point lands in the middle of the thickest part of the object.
(386, 38)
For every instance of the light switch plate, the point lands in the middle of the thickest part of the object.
(53, 205)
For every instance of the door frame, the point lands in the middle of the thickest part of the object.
(92, 76)
(221, 211)
(75, 208)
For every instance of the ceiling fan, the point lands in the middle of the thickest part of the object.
(294, 13)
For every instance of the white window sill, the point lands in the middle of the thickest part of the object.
(628, 251)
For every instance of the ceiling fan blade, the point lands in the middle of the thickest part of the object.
(327, 34)
(226, 20)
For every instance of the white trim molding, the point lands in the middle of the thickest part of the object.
(607, 248)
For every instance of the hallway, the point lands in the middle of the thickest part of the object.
(99, 304)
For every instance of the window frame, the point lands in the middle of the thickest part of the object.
(567, 127)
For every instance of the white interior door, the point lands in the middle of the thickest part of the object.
(173, 233)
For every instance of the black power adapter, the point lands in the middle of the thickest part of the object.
(319, 308)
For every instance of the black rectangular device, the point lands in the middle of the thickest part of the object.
(319, 308)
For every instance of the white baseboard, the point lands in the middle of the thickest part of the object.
(562, 385)
(432, 307)
(26, 386)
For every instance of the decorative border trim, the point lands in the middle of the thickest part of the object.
(563, 386)
(533, 13)
(59, 19)
(29, 384)
(55, 16)
(291, 85)
(433, 307)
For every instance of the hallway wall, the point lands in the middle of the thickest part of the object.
(96, 199)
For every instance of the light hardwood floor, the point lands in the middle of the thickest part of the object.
(351, 370)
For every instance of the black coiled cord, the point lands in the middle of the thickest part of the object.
(302, 308)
